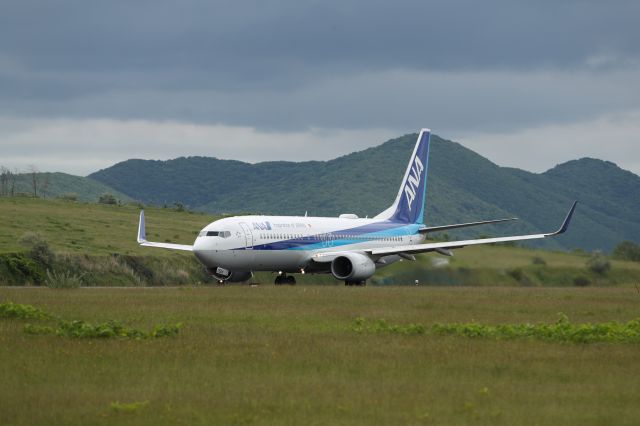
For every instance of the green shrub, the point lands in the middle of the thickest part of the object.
(108, 329)
(129, 408)
(627, 250)
(82, 329)
(537, 260)
(166, 330)
(38, 247)
(107, 198)
(382, 326)
(598, 263)
(16, 310)
(103, 330)
(581, 281)
(561, 331)
(22, 269)
(39, 330)
(517, 274)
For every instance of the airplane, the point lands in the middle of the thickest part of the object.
(348, 247)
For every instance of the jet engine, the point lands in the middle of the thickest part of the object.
(225, 275)
(354, 267)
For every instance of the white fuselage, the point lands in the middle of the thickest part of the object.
(287, 243)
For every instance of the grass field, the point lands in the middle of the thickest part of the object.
(96, 229)
(273, 355)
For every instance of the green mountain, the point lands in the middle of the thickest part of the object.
(463, 186)
(56, 185)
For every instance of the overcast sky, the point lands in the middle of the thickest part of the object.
(85, 84)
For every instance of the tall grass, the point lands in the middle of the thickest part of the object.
(63, 279)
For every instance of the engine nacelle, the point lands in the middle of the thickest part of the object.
(225, 275)
(353, 267)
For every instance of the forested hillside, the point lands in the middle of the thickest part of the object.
(54, 185)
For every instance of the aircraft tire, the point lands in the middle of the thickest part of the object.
(285, 280)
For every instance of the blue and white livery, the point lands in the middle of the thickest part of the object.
(348, 247)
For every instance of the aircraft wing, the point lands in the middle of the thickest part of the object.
(407, 251)
(142, 238)
(428, 229)
(444, 246)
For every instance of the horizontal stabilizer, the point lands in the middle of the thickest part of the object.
(426, 230)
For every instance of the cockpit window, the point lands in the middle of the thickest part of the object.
(222, 234)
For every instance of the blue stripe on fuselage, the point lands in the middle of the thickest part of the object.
(342, 237)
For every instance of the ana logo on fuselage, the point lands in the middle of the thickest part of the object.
(413, 181)
(262, 226)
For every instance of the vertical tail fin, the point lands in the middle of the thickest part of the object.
(408, 206)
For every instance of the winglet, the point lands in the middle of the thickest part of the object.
(142, 232)
(567, 221)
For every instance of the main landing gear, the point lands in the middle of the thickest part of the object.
(356, 283)
(285, 279)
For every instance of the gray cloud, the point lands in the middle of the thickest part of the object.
(464, 68)
(226, 45)
(451, 103)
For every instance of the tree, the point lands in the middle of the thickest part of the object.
(8, 181)
(107, 198)
(4, 181)
(35, 181)
(12, 181)
(627, 250)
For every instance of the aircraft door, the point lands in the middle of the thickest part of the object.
(248, 236)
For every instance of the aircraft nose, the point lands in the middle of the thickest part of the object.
(198, 244)
(202, 247)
